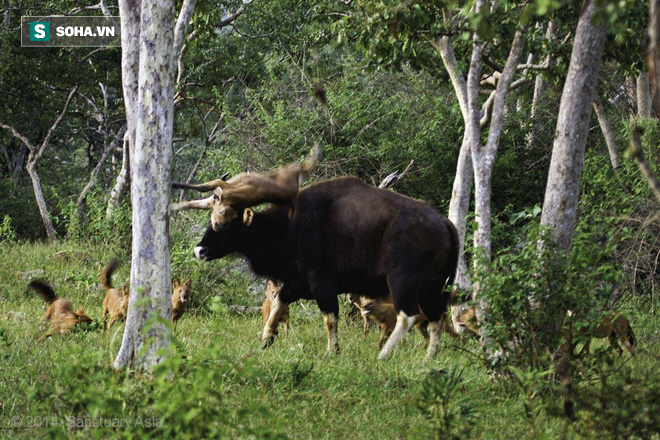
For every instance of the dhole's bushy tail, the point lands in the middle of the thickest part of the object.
(106, 274)
(44, 290)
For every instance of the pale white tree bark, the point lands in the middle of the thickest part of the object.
(540, 87)
(459, 205)
(561, 195)
(643, 96)
(608, 133)
(148, 65)
(34, 157)
(483, 157)
(123, 180)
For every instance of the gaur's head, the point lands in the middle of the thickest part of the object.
(217, 243)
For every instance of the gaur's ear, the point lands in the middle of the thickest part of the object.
(248, 216)
(217, 194)
(175, 282)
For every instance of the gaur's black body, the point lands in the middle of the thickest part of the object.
(346, 236)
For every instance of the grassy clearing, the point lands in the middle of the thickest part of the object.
(218, 383)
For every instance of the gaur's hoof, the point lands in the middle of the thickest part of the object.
(267, 342)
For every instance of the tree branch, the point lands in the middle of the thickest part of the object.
(228, 19)
(51, 130)
(445, 48)
(393, 178)
(181, 27)
(18, 136)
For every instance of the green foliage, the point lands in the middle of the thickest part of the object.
(616, 403)
(92, 221)
(530, 289)
(445, 404)
(7, 233)
(531, 385)
(215, 382)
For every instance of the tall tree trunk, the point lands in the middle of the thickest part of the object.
(562, 190)
(653, 55)
(459, 204)
(152, 119)
(643, 96)
(483, 158)
(540, 87)
(123, 180)
(41, 202)
(608, 133)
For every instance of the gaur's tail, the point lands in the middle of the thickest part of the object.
(44, 290)
(452, 264)
(106, 274)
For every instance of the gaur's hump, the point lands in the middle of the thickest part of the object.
(337, 184)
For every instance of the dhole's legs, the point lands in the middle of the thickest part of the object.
(270, 329)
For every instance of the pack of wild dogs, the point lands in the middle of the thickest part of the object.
(62, 318)
(395, 255)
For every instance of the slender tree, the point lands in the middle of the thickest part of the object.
(148, 66)
(562, 189)
(35, 155)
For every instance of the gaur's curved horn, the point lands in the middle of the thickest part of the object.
(206, 203)
(202, 187)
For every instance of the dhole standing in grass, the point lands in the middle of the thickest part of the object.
(180, 297)
(116, 302)
(59, 312)
(272, 290)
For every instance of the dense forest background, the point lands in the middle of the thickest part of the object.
(260, 82)
(247, 99)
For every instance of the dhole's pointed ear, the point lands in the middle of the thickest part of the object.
(187, 285)
(248, 216)
(175, 282)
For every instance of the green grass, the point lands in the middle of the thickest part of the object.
(218, 383)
